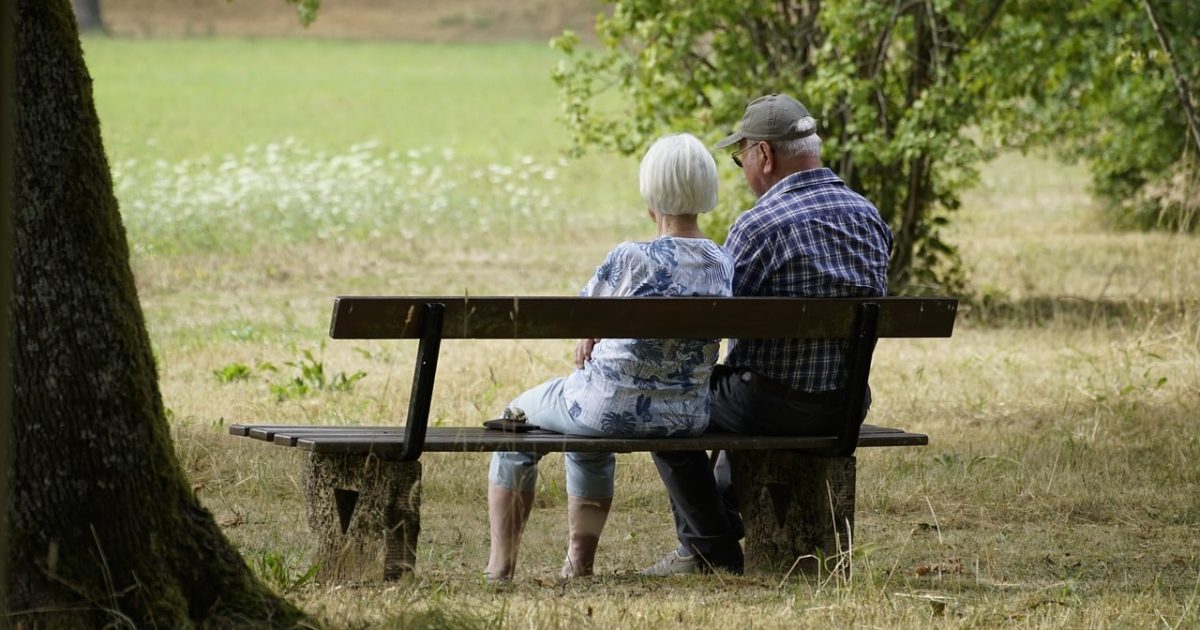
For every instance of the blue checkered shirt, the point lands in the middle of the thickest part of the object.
(808, 236)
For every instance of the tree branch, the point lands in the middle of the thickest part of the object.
(1181, 85)
(885, 40)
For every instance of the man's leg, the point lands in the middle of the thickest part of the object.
(706, 522)
(738, 408)
(701, 520)
(703, 502)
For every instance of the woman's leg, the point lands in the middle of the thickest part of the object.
(512, 480)
(585, 522)
(589, 499)
(508, 510)
(589, 481)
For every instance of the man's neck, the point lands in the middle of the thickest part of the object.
(791, 166)
(799, 165)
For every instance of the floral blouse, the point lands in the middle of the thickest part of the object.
(651, 387)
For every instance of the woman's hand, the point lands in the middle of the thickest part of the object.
(583, 351)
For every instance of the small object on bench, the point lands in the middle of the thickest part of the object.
(797, 494)
(513, 420)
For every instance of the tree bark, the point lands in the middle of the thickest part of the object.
(104, 528)
(87, 15)
(8, 66)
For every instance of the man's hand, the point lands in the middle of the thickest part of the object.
(583, 351)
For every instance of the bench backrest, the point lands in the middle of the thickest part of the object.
(861, 321)
(647, 318)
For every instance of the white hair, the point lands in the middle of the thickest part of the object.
(806, 146)
(678, 176)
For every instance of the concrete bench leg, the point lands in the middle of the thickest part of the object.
(794, 505)
(366, 513)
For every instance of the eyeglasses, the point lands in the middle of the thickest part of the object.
(734, 156)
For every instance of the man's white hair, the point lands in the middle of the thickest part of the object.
(678, 176)
(806, 146)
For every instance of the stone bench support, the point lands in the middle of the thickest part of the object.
(798, 510)
(366, 514)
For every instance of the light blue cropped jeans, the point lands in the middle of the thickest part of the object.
(589, 475)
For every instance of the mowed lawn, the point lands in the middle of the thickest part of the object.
(260, 178)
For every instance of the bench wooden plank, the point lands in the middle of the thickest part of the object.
(357, 317)
(387, 441)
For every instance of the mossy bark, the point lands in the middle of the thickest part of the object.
(104, 526)
(8, 68)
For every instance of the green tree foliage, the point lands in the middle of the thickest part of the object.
(1094, 80)
(905, 91)
(891, 84)
(306, 10)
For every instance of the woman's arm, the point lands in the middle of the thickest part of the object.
(606, 281)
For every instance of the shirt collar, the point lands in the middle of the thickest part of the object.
(803, 179)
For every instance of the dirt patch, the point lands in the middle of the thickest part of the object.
(411, 20)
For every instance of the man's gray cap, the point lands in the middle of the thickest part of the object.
(770, 117)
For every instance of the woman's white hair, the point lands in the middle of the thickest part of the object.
(678, 176)
(806, 146)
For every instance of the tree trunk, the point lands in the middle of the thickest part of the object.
(8, 66)
(916, 198)
(87, 15)
(104, 528)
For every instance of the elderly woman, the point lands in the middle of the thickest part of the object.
(623, 387)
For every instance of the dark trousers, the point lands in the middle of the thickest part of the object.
(706, 515)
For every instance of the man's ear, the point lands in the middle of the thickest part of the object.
(768, 158)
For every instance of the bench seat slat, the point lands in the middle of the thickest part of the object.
(383, 317)
(385, 441)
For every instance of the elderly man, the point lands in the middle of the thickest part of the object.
(807, 235)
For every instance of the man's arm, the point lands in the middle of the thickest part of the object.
(753, 254)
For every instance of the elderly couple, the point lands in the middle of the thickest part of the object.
(807, 235)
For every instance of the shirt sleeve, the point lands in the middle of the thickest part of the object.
(608, 275)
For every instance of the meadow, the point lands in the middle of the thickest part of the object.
(260, 178)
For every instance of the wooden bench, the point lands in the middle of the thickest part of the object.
(796, 493)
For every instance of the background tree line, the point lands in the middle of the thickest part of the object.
(912, 96)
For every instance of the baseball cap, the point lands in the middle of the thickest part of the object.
(770, 117)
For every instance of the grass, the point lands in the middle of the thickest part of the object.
(182, 98)
(1059, 488)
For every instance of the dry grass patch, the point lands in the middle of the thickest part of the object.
(1059, 488)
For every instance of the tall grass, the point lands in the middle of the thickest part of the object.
(297, 195)
(1059, 489)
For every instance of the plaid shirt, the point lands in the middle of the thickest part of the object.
(808, 236)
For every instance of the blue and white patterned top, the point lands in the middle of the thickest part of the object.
(651, 387)
(808, 236)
